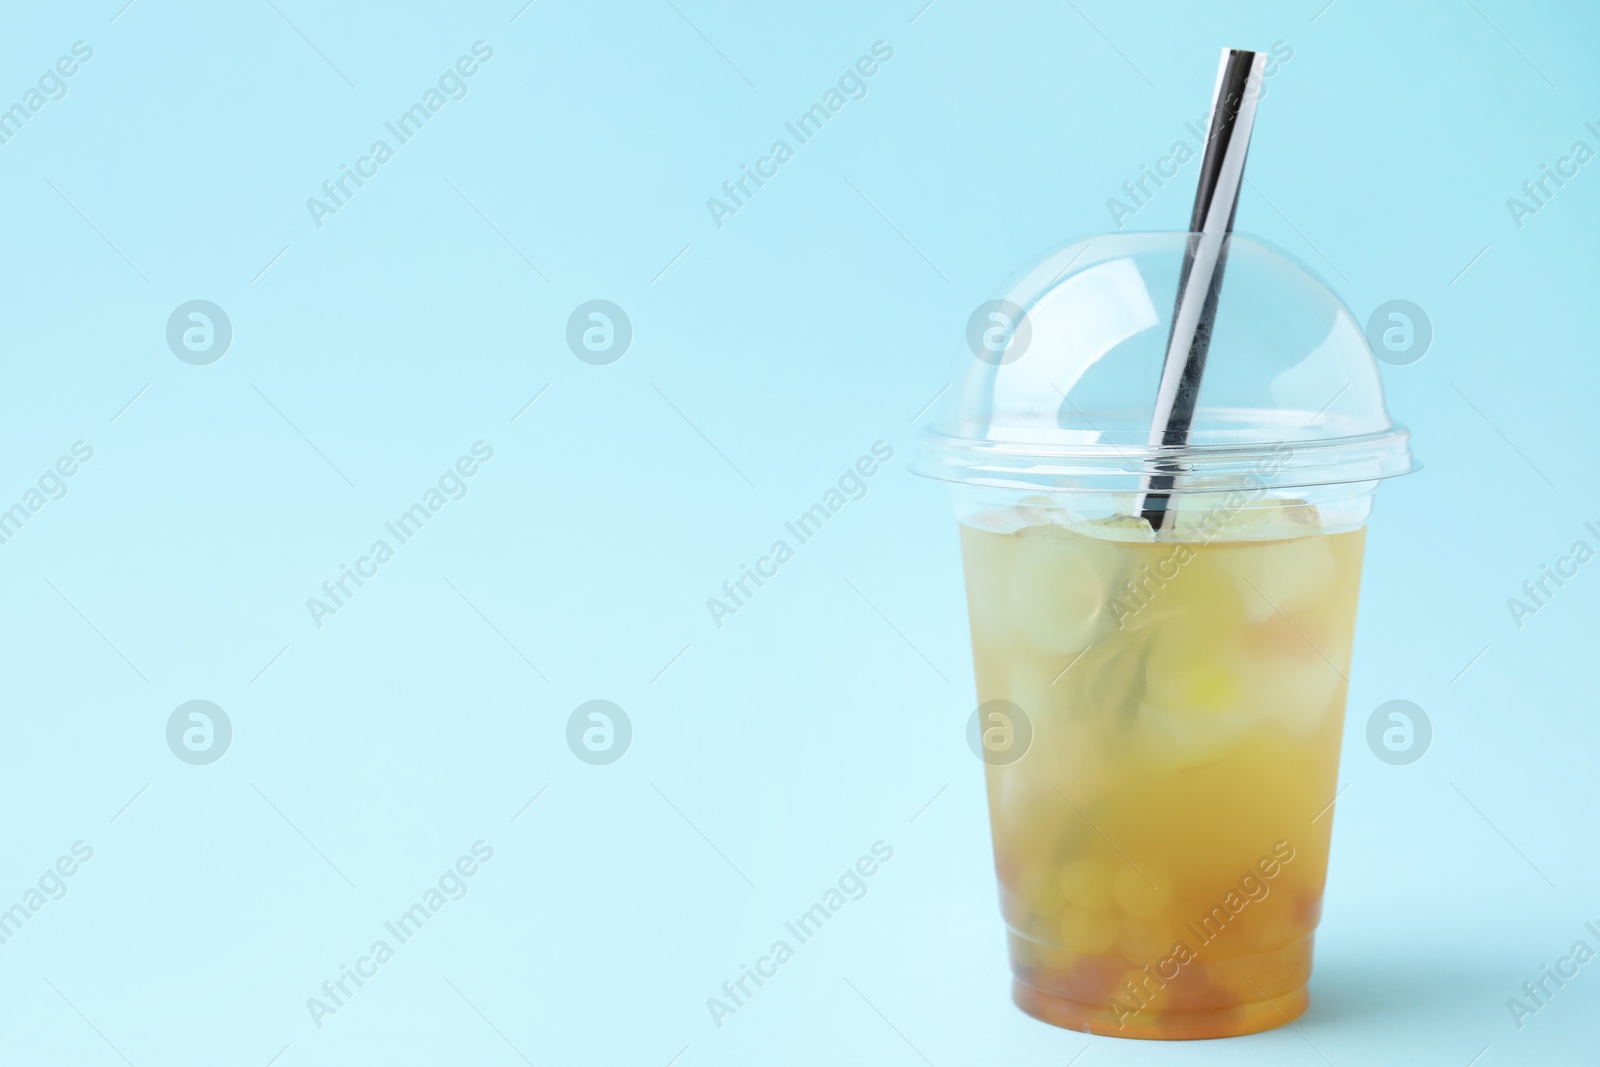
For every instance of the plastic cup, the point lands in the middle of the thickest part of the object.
(1160, 715)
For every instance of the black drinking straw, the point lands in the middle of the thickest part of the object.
(1233, 113)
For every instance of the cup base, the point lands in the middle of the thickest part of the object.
(1174, 1025)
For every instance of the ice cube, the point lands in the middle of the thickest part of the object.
(1165, 741)
(1208, 518)
(1127, 528)
(1279, 575)
(1200, 621)
(1059, 584)
(1296, 692)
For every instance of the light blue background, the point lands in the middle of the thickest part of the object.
(768, 356)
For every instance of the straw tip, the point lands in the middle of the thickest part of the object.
(1247, 55)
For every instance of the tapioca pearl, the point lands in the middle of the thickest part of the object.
(1094, 979)
(1269, 924)
(1041, 890)
(1191, 987)
(1141, 942)
(1086, 884)
(1139, 896)
(1090, 931)
(1044, 944)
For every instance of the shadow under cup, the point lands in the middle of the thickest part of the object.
(1160, 711)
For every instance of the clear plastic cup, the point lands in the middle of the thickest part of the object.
(1160, 714)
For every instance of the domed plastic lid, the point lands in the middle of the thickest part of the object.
(1058, 388)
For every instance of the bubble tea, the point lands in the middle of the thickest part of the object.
(1160, 712)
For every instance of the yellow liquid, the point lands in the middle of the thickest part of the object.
(1163, 843)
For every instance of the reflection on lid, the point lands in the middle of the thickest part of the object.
(1073, 325)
